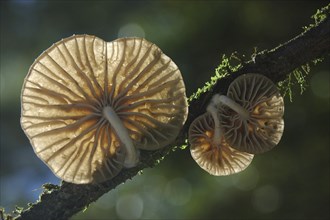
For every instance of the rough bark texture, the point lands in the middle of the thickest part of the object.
(61, 202)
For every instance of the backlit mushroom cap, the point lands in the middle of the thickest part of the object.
(215, 157)
(262, 128)
(88, 105)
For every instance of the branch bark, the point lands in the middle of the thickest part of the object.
(61, 202)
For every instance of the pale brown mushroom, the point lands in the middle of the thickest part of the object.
(88, 105)
(210, 149)
(251, 115)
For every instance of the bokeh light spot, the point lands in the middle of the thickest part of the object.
(246, 180)
(131, 30)
(266, 199)
(178, 191)
(129, 206)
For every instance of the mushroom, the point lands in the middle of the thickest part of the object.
(89, 106)
(211, 150)
(251, 115)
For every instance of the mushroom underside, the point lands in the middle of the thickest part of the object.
(69, 86)
(263, 129)
(215, 157)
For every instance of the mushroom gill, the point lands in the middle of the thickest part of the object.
(88, 105)
(253, 121)
(211, 151)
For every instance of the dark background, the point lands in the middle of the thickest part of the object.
(289, 182)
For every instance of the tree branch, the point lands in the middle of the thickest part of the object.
(61, 202)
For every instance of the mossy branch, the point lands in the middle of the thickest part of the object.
(61, 202)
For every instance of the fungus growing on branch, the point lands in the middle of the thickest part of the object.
(89, 106)
(251, 115)
(209, 148)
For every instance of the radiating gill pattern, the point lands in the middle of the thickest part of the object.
(214, 156)
(70, 83)
(263, 130)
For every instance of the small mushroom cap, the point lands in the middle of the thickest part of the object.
(69, 85)
(216, 159)
(264, 128)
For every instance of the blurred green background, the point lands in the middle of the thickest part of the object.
(289, 182)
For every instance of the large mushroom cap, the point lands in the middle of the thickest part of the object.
(264, 127)
(67, 90)
(216, 159)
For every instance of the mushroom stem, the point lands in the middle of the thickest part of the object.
(211, 108)
(132, 155)
(233, 105)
